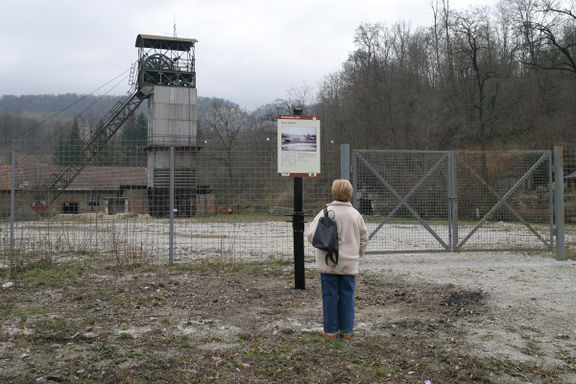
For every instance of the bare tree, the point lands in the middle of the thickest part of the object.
(549, 33)
(225, 121)
(301, 96)
(560, 34)
(477, 68)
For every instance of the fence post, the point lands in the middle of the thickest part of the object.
(345, 161)
(171, 240)
(12, 206)
(354, 181)
(559, 199)
(452, 203)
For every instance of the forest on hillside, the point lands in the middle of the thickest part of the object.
(475, 79)
(478, 78)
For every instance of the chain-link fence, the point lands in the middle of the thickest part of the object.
(228, 203)
(403, 196)
(569, 162)
(455, 201)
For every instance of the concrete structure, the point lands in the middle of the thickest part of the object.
(166, 70)
(172, 122)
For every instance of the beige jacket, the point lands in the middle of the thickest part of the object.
(352, 239)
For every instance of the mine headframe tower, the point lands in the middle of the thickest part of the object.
(167, 78)
(166, 72)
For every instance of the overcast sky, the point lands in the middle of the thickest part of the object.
(249, 51)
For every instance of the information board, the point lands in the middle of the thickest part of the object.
(298, 146)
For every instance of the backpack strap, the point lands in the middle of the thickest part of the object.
(330, 256)
(333, 257)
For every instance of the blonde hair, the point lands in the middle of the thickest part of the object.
(342, 190)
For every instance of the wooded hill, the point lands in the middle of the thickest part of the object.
(475, 79)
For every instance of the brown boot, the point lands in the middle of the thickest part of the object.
(329, 336)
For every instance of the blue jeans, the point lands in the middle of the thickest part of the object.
(338, 302)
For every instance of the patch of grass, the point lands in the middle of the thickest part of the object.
(384, 369)
(158, 363)
(121, 300)
(53, 325)
(133, 354)
(277, 352)
(566, 355)
(385, 343)
(272, 268)
(158, 342)
(531, 348)
(311, 274)
(54, 329)
(35, 311)
(570, 251)
(6, 309)
(150, 300)
(126, 336)
(52, 275)
(243, 336)
(338, 344)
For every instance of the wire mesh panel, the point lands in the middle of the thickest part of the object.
(504, 200)
(103, 211)
(569, 158)
(404, 197)
(230, 203)
(227, 203)
(243, 209)
(455, 201)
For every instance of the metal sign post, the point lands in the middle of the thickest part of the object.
(298, 233)
(298, 157)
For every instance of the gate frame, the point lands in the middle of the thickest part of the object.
(454, 245)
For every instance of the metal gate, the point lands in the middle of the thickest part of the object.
(449, 201)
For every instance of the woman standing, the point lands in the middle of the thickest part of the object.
(338, 280)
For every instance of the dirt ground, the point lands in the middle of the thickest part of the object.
(442, 319)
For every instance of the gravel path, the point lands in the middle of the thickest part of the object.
(531, 297)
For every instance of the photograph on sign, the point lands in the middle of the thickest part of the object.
(299, 146)
(299, 139)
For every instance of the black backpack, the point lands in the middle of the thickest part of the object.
(326, 237)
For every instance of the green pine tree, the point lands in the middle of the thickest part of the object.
(134, 139)
(69, 148)
(75, 152)
(58, 151)
(107, 151)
